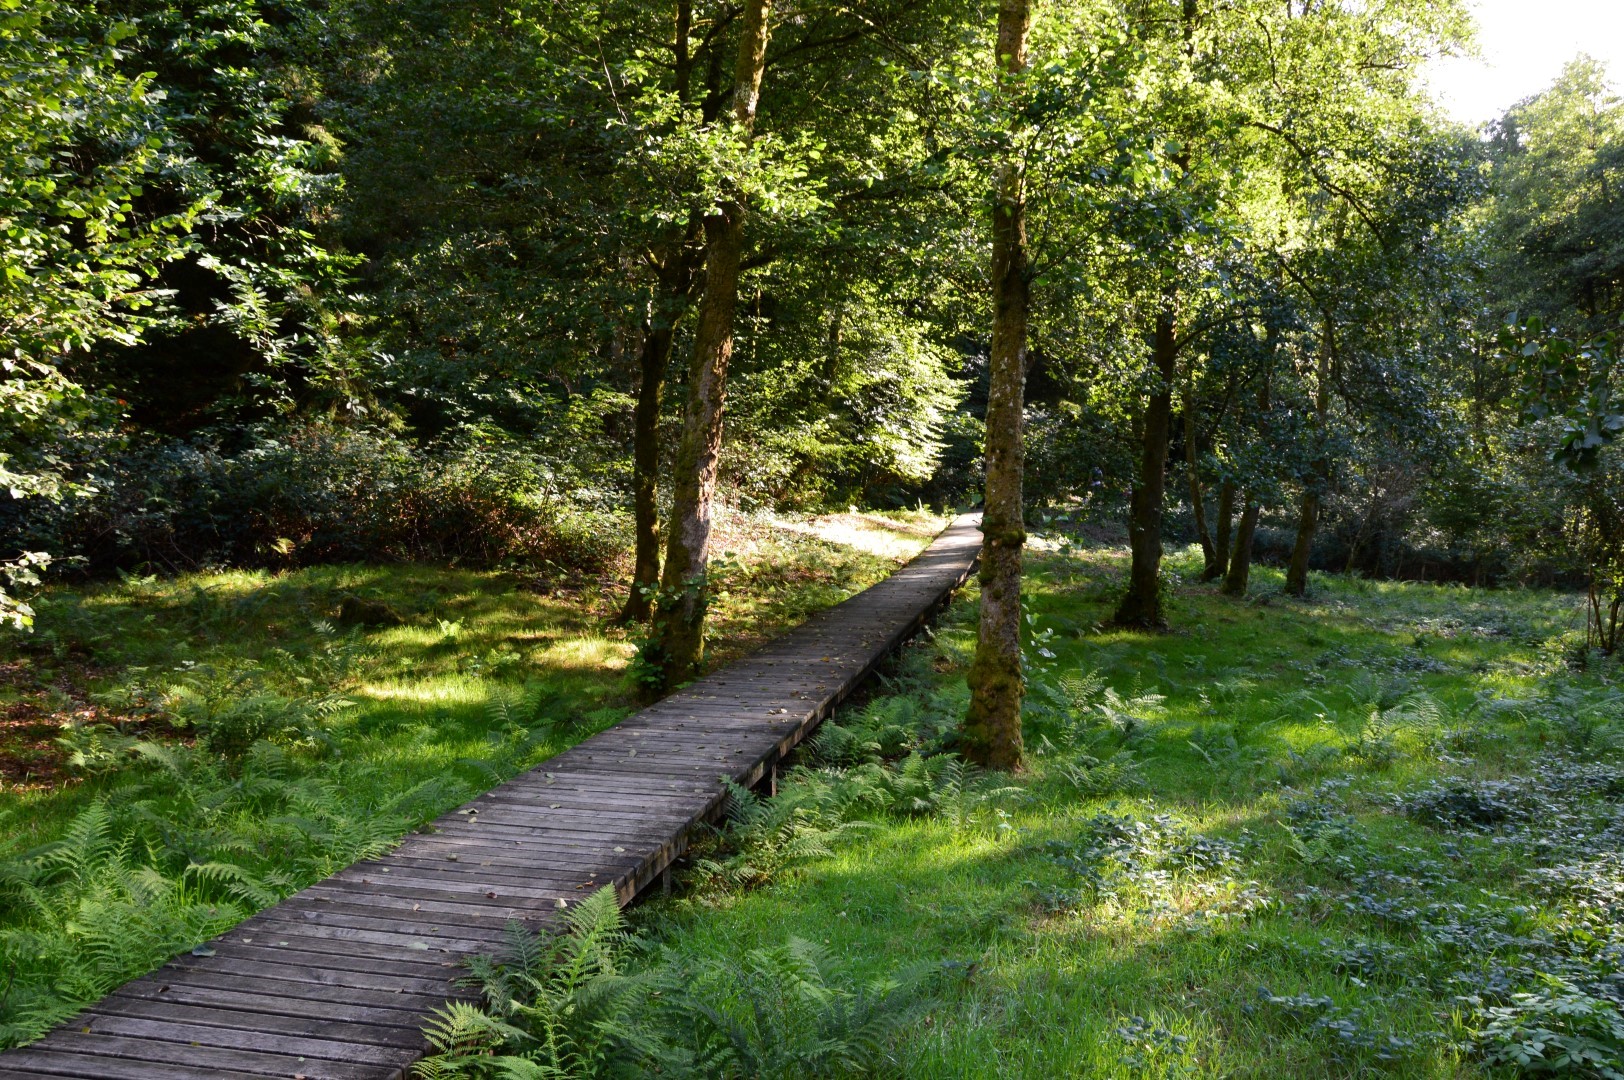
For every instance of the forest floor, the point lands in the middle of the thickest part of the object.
(177, 753)
(1376, 832)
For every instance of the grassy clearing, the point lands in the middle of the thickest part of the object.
(1376, 833)
(178, 753)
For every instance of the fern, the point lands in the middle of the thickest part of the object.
(793, 1010)
(233, 881)
(1092, 777)
(555, 1007)
(767, 837)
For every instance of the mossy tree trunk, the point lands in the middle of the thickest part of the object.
(991, 734)
(676, 644)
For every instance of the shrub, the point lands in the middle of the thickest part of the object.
(1557, 1030)
(319, 494)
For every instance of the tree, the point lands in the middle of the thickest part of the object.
(991, 735)
(676, 642)
(79, 139)
(1555, 231)
(1575, 389)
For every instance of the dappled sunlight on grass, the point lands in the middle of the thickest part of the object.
(588, 653)
(1256, 890)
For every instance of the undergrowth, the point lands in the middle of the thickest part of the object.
(1377, 833)
(213, 743)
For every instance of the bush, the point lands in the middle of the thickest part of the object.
(319, 494)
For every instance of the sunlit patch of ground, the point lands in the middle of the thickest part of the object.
(886, 537)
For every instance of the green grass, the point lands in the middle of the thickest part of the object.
(1275, 882)
(176, 753)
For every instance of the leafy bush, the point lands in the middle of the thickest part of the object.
(1479, 804)
(319, 494)
(1557, 1030)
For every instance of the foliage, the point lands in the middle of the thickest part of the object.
(1556, 1031)
(558, 1004)
(585, 1002)
(185, 849)
(320, 494)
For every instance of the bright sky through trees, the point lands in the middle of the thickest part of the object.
(1524, 44)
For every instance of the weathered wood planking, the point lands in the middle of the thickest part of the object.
(333, 983)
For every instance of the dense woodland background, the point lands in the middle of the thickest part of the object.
(292, 282)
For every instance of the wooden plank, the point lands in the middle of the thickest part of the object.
(318, 976)
(336, 1001)
(233, 1020)
(275, 953)
(95, 1067)
(376, 1018)
(338, 927)
(450, 875)
(207, 1057)
(299, 1045)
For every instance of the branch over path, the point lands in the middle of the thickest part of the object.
(334, 982)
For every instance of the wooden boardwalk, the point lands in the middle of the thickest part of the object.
(334, 982)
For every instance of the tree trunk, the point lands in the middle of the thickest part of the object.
(1142, 606)
(1192, 461)
(676, 282)
(676, 644)
(1302, 547)
(991, 734)
(1320, 472)
(1226, 526)
(1240, 562)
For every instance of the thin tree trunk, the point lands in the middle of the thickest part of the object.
(1192, 461)
(676, 644)
(991, 734)
(1240, 558)
(1142, 606)
(656, 354)
(676, 283)
(1320, 472)
(1226, 527)
(1240, 562)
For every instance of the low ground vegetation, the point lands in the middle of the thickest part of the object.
(178, 753)
(1376, 832)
